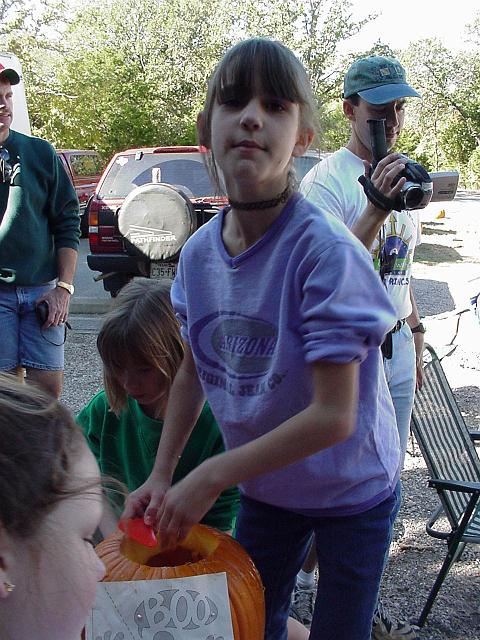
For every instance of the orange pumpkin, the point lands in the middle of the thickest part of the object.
(204, 550)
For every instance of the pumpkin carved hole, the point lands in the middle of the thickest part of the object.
(190, 551)
(173, 558)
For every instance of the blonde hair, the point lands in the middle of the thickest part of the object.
(141, 327)
(257, 64)
(39, 444)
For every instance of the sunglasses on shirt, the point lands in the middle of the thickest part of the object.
(6, 169)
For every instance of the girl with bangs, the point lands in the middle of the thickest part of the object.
(141, 350)
(282, 317)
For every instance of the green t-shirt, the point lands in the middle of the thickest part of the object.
(38, 211)
(125, 448)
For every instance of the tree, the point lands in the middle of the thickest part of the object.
(120, 73)
(135, 73)
(33, 33)
(448, 117)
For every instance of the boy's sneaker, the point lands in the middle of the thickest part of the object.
(387, 628)
(303, 602)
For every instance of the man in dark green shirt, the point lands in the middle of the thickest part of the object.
(39, 236)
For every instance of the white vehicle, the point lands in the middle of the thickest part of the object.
(21, 121)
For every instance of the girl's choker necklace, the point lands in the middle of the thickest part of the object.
(262, 204)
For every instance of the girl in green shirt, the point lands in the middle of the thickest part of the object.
(141, 349)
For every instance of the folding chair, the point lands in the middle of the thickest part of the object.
(453, 464)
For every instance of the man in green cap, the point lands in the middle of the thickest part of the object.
(376, 88)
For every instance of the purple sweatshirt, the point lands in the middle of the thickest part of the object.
(305, 291)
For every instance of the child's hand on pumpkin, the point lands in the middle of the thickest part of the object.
(185, 504)
(145, 501)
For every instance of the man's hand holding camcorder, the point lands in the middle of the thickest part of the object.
(385, 173)
(367, 227)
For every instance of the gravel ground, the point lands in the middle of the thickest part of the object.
(446, 272)
(446, 266)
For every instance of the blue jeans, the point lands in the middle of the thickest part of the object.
(22, 341)
(351, 553)
(401, 375)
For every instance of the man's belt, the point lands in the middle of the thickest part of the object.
(387, 345)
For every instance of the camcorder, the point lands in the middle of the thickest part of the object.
(420, 188)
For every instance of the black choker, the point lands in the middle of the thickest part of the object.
(262, 204)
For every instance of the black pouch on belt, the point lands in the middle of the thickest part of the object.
(387, 346)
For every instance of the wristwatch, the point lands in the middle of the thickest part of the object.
(420, 328)
(65, 285)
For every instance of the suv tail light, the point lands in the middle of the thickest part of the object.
(102, 230)
(93, 234)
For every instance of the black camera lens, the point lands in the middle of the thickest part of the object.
(412, 196)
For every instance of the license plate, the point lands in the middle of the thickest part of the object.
(163, 270)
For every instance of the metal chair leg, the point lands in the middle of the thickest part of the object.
(447, 563)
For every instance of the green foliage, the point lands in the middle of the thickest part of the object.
(134, 74)
(335, 128)
(122, 73)
(471, 174)
(114, 74)
(448, 117)
(409, 143)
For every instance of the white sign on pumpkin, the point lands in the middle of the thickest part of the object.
(194, 608)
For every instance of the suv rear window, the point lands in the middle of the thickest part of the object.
(86, 164)
(183, 169)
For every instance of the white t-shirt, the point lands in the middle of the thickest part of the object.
(333, 186)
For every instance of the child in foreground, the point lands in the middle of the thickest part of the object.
(141, 350)
(50, 507)
(282, 315)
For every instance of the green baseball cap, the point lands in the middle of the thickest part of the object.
(378, 80)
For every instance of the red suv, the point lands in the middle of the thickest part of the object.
(147, 203)
(84, 169)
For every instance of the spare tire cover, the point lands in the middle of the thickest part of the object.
(156, 220)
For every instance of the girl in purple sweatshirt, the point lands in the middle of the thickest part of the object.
(282, 316)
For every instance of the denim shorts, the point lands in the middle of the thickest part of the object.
(22, 341)
(351, 553)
